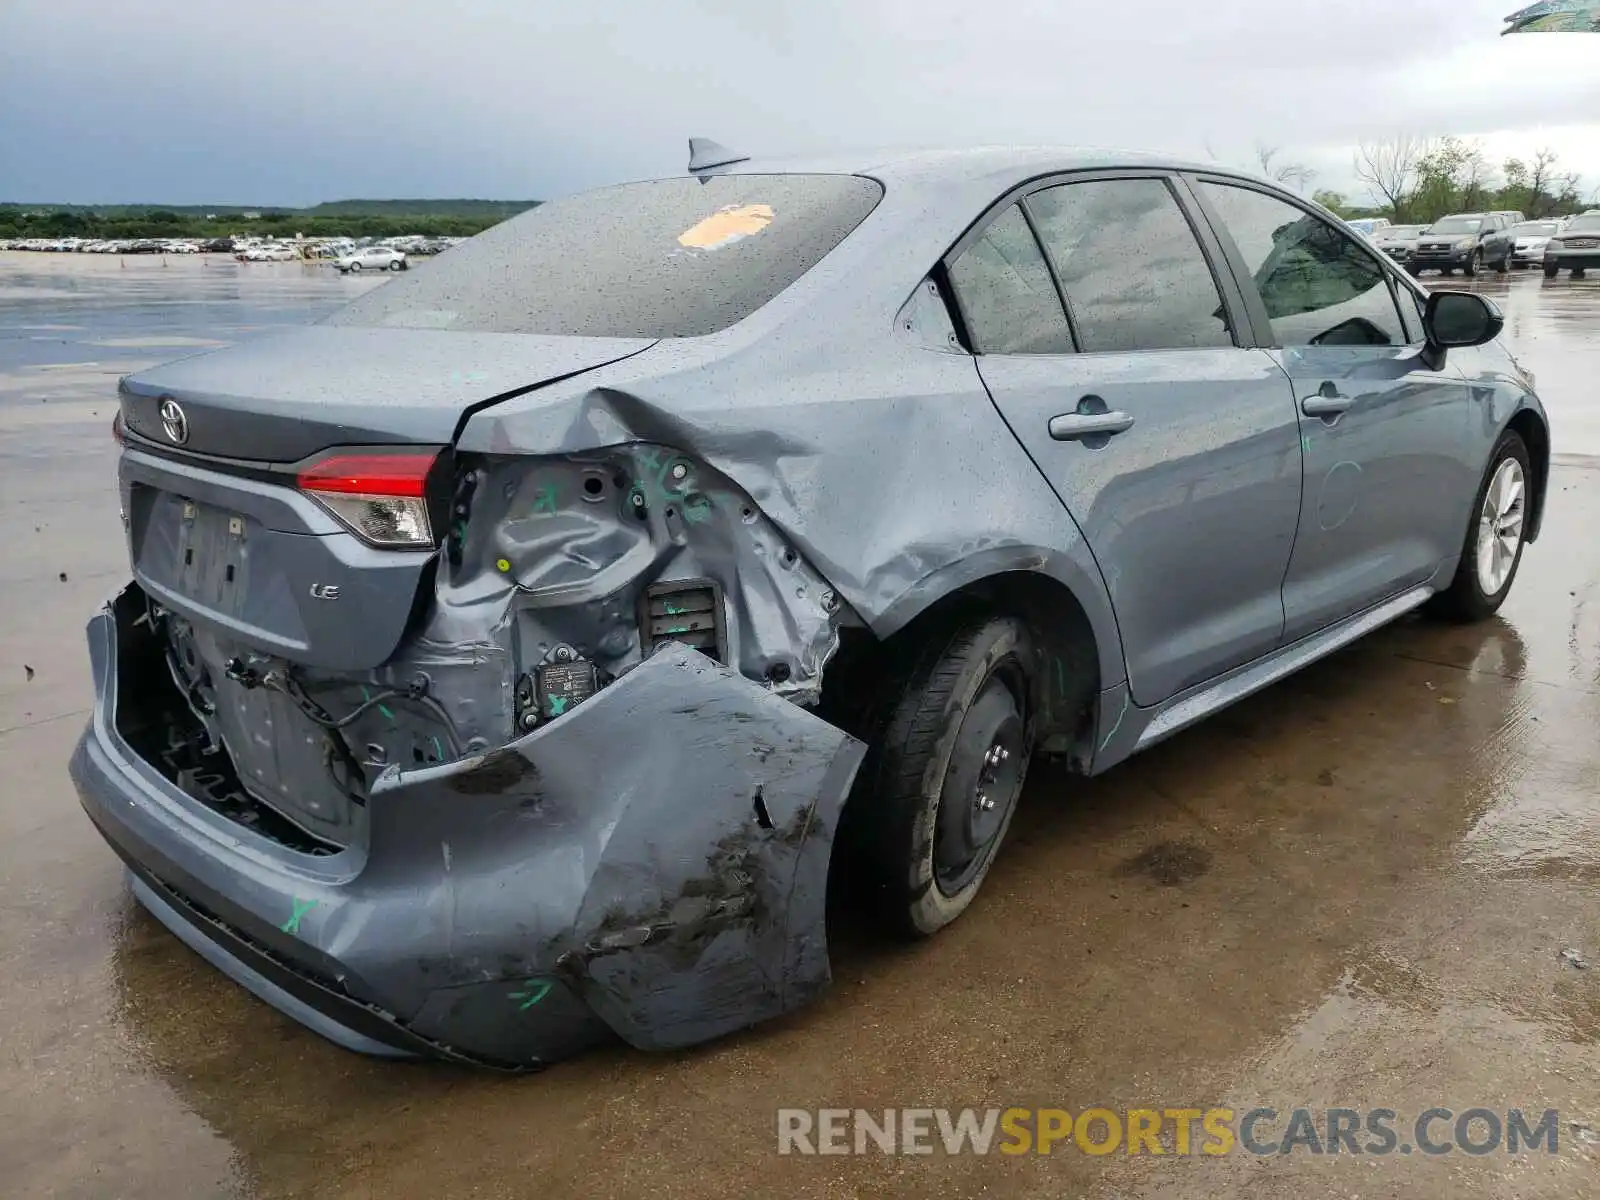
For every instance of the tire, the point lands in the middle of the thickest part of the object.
(1551, 270)
(1469, 596)
(397, 265)
(941, 781)
(1447, 270)
(354, 268)
(1473, 265)
(1504, 265)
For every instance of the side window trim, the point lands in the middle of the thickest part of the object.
(1236, 263)
(1055, 278)
(1235, 300)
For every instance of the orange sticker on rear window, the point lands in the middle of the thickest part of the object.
(727, 225)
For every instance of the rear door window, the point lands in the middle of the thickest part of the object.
(1008, 301)
(1132, 269)
(667, 258)
(1320, 286)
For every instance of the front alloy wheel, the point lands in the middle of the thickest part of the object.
(1495, 540)
(1500, 525)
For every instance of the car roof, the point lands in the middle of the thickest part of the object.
(1002, 166)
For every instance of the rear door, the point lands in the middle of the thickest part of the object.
(1387, 481)
(1175, 449)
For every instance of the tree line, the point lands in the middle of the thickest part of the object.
(1418, 180)
(1415, 181)
(20, 221)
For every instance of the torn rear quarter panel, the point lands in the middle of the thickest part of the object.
(573, 550)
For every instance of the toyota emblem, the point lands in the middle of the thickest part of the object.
(173, 423)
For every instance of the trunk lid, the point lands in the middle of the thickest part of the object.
(281, 398)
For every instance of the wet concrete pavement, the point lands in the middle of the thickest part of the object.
(1352, 890)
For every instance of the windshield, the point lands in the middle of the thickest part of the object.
(1583, 225)
(669, 258)
(1457, 225)
(1534, 229)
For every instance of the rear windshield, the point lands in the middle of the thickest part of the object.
(1457, 225)
(669, 258)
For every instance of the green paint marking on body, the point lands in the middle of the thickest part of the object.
(1061, 677)
(535, 993)
(558, 705)
(544, 500)
(673, 610)
(301, 908)
(438, 749)
(679, 629)
(384, 709)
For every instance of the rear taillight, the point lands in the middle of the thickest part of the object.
(381, 497)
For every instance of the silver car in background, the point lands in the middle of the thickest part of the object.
(1528, 241)
(1398, 241)
(512, 659)
(372, 258)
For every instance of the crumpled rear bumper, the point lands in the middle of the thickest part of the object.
(652, 865)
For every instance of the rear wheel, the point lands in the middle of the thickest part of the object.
(1551, 270)
(1503, 265)
(396, 265)
(1495, 539)
(355, 266)
(942, 780)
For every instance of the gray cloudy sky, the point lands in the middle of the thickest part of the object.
(296, 101)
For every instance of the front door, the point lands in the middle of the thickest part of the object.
(1176, 451)
(1387, 483)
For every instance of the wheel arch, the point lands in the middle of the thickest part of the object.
(1078, 648)
(1535, 433)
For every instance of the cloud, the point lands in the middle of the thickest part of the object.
(304, 100)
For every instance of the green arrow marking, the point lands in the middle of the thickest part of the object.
(535, 993)
(301, 908)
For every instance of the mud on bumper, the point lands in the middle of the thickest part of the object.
(652, 865)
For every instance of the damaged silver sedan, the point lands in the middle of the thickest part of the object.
(512, 658)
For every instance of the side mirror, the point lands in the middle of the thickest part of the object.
(1452, 319)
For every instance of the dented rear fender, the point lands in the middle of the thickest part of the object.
(662, 850)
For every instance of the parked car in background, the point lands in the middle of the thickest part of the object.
(372, 258)
(556, 637)
(1368, 225)
(1511, 215)
(1398, 241)
(1575, 248)
(1469, 241)
(268, 253)
(1528, 242)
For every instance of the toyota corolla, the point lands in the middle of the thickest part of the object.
(509, 658)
